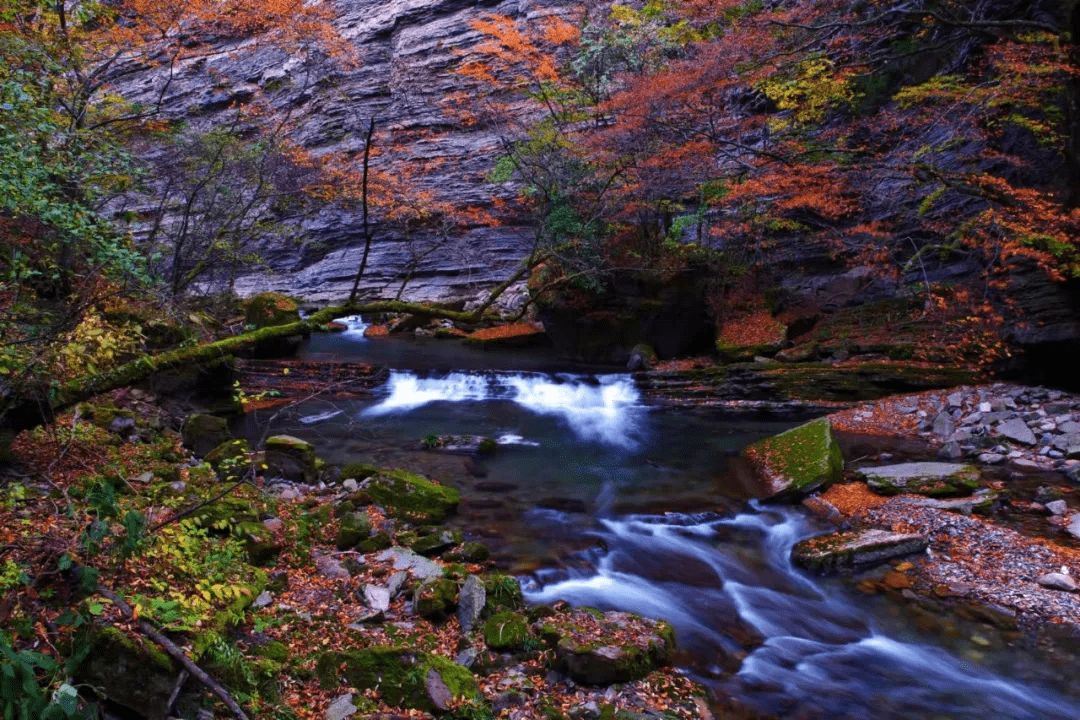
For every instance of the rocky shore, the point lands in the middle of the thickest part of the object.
(986, 533)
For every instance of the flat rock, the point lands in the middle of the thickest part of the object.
(1017, 431)
(341, 708)
(797, 462)
(855, 549)
(420, 567)
(1057, 507)
(1058, 581)
(932, 479)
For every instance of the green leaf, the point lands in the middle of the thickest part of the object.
(96, 609)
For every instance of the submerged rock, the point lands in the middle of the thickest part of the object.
(799, 461)
(854, 549)
(932, 479)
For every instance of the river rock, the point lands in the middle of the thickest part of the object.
(1058, 581)
(1057, 507)
(1017, 431)
(411, 497)
(471, 600)
(932, 479)
(797, 462)
(855, 549)
(597, 648)
(290, 458)
(420, 567)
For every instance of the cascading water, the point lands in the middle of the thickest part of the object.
(602, 409)
(354, 327)
(729, 589)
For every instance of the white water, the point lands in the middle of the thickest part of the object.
(604, 410)
(819, 652)
(356, 327)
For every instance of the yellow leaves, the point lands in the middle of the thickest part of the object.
(817, 84)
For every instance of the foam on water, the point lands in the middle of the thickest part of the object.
(601, 410)
(355, 327)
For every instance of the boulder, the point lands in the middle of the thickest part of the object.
(1058, 581)
(797, 462)
(411, 497)
(271, 309)
(290, 458)
(138, 676)
(436, 542)
(420, 567)
(855, 549)
(203, 433)
(435, 598)
(596, 648)
(933, 479)
(404, 677)
(353, 528)
(229, 457)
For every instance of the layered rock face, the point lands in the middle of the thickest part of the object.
(408, 50)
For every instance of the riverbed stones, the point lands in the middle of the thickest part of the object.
(1017, 430)
(932, 479)
(797, 462)
(601, 648)
(855, 549)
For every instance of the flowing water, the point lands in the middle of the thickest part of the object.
(594, 498)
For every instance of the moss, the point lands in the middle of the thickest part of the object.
(506, 631)
(353, 529)
(399, 673)
(274, 650)
(203, 433)
(411, 497)
(469, 552)
(358, 471)
(229, 454)
(487, 446)
(436, 542)
(798, 461)
(291, 458)
(503, 592)
(271, 310)
(435, 598)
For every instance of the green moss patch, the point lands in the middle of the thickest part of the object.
(798, 461)
(411, 497)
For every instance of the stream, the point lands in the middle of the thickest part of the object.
(595, 498)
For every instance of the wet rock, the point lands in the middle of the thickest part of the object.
(950, 451)
(797, 462)
(471, 600)
(1057, 507)
(855, 549)
(991, 458)
(1058, 581)
(923, 478)
(478, 470)
(138, 677)
(943, 425)
(597, 648)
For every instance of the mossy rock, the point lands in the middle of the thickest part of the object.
(506, 631)
(290, 458)
(411, 497)
(405, 678)
(378, 541)
(202, 433)
(357, 471)
(136, 675)
(596, 648)
(436, 542)
(932, 479)
(435, 598)
(353, 529)
(503, 593)
(469, 552)
(797, 462)
(274, 650)
(855, 549)
(270, 310)
(229, 457)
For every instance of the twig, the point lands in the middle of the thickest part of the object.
(170, 647)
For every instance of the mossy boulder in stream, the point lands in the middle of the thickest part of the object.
(405, 678)
(596, 648)
(411, 497)
(797, 462)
